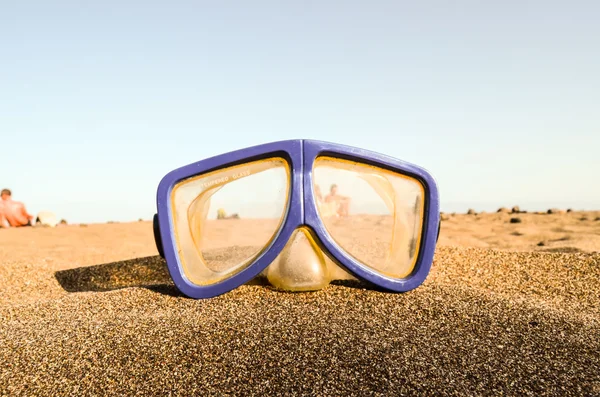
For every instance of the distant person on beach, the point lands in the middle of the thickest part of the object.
(343, 202)
(13, 213)
(325, 209)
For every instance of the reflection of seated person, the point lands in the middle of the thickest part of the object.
(334, 204)
(325, 209)
(13, 213)
(343, 202)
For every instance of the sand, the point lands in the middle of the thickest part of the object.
(570, 232)
(92, 311)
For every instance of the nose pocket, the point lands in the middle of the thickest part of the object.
(301, 265)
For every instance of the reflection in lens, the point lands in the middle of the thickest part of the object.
(373, 214)
(223, 220)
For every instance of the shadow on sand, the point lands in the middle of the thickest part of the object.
(148, 272)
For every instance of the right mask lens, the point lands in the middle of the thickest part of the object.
(373, 214)
(224, 219)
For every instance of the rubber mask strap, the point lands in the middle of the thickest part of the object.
(197, 215)
(157, 239)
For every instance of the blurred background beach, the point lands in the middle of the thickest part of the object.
(99, 101)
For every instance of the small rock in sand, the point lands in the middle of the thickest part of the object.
(471, 211)
(515, 220)
(516, 209)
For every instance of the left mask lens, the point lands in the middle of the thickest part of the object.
(375, 215)
(224, 219)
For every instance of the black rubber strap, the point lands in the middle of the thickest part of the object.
(157, 239)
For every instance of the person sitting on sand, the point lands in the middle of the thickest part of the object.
(343, 202)
(326, 210)
(13, 213)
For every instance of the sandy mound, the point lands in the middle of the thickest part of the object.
(92, 311)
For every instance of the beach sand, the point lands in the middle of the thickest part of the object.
(91, 310)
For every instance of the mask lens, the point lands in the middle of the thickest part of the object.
(373, 214)
(224, 219)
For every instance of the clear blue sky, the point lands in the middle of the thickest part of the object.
(98, 100)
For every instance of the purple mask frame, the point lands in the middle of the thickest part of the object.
(301, 211)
